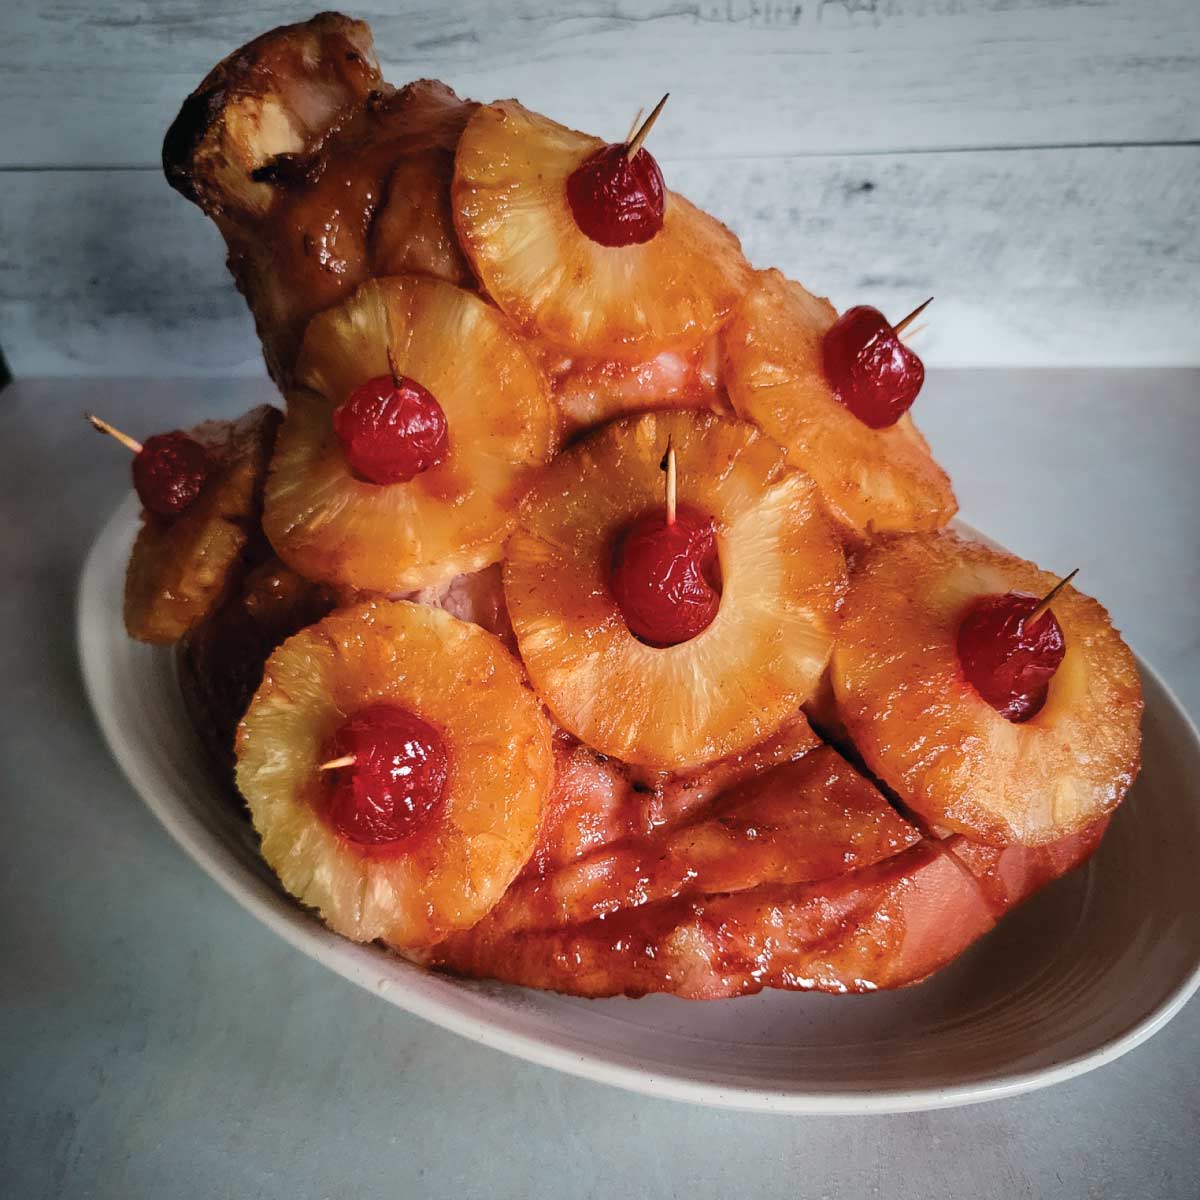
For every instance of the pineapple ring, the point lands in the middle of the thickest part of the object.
(733, 684)
(872, 480)
(926, 732)
(461, 680)
(182, 567)
(329, 525)
(513, 219)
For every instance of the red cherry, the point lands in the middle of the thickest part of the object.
(397, 781)
(871, 371)
(1007, 659)
(617, 201)
(666, 579)
(169, 471)
(391, 430)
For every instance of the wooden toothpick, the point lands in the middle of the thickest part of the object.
(634, 124)
(347, 760)
(912, 316)
(102, 426)
(635, 143)
(669, 467)
(1048, 599)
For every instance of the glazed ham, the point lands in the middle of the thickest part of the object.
(883, 927)
(318, 173)
(802, 821)
(786, 865)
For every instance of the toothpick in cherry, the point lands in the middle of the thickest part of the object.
(169, 469)
(617, 194)
(665, 574)
(400, 765)
(1010, 646)
(635, 143)
(1048, 599)
(869, 368)
(900, 326)
(668, 466)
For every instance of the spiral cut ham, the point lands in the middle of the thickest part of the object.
(637, 819)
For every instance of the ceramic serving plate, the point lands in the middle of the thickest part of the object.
(1084, 972)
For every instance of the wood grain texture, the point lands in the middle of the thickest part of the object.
(1035, 256)
(878, 150)
(97, 83)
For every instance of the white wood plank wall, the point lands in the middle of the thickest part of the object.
(1034, 163)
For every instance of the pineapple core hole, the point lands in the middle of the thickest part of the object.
(1009, 659)
(665, 576)
(390, 784)
(391, 430)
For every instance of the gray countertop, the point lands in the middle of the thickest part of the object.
(157, 1042)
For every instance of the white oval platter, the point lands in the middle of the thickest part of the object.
(1077, 977)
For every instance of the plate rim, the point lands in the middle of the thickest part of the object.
(305, 933)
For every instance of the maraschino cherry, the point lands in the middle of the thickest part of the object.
(871, 371)
(665, 575)
(617, 194)
(391, 428)
(1010, 645)
(169, 469)
(388, 771)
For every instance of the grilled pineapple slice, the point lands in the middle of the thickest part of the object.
(926, 732)
(516, 225)
(182, 567)
(737, 681)
(459, 679)
(873, 481)
(330, 525)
